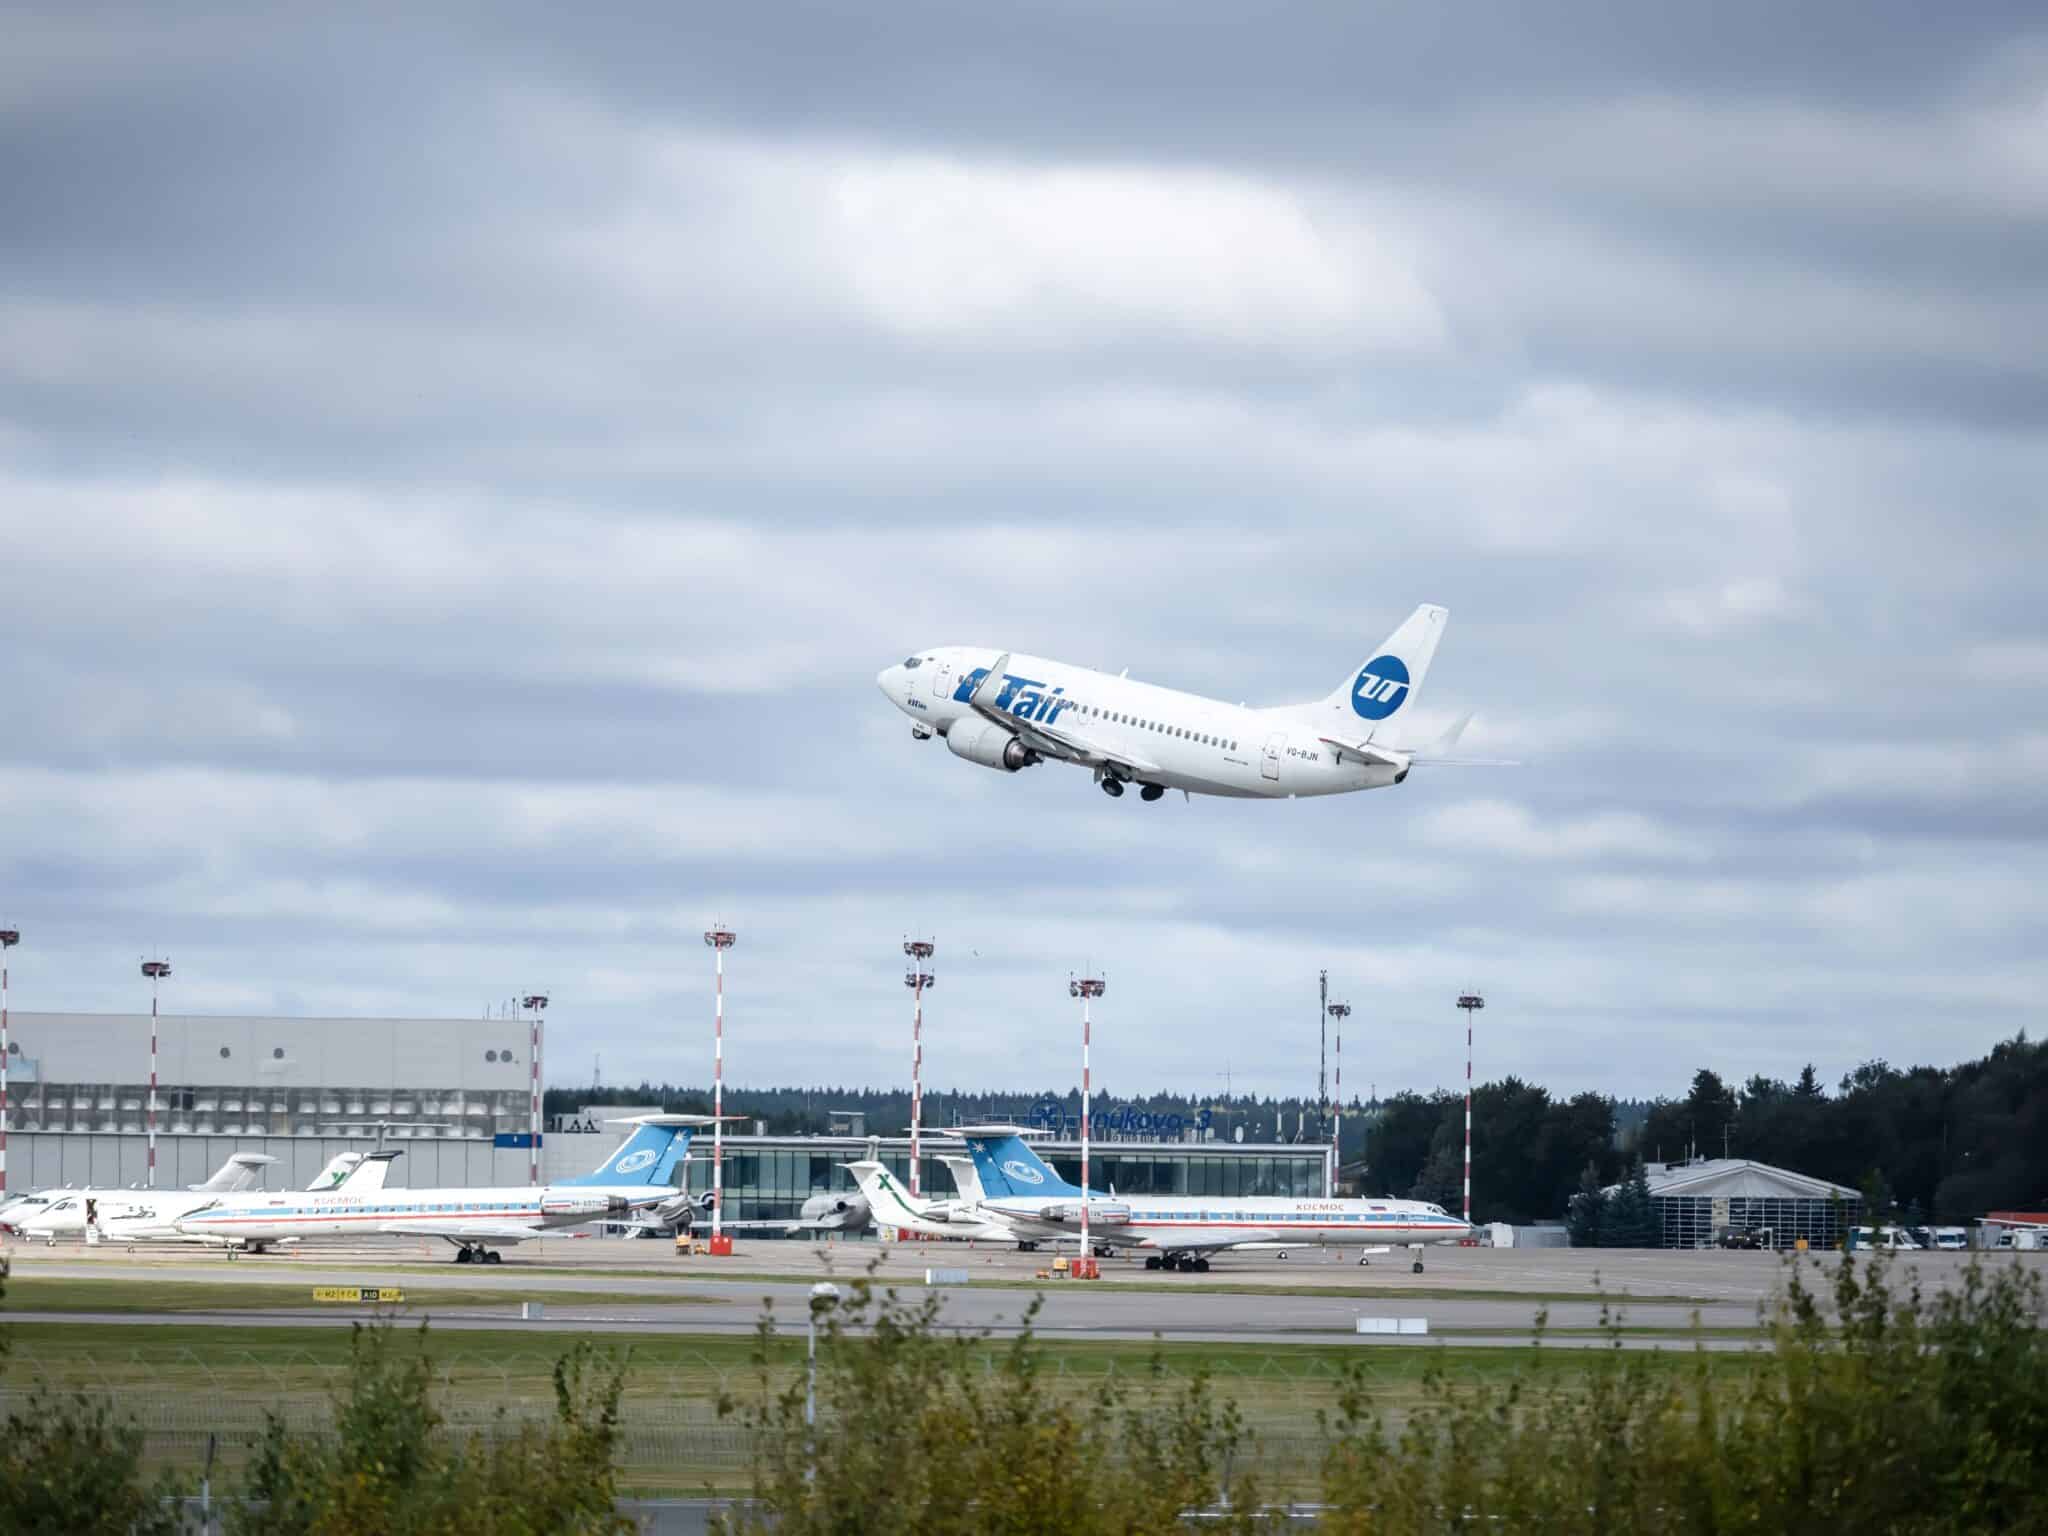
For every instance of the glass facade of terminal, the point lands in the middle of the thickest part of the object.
(768, 1178)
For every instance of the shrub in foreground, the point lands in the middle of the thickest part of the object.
(920, 1431)
(391, 1467)
(1889, 1412)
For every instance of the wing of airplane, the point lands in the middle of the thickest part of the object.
(1061, 741)
(463, 1231)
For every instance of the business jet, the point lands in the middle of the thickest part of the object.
(477, 1221)
(954, 1220)
(1183, 1230)
(1011, 711)
(50, 1214)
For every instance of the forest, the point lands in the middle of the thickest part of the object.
(1921, 1143)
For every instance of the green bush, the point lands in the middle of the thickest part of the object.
(924, 1432)
(391, 1468)
(1894, 1414)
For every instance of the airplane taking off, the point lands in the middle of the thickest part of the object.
(1011, 711)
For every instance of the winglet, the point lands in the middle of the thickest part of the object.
(991, 676)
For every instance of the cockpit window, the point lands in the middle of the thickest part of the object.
(912, 663)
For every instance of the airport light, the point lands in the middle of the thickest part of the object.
(824, 1296)
(1340, 1012)
(1322, 1051)
(1471, 1002)
(9, 937)
(535, 1005)
(1087, 989)
(156, 971)
(720, 940)
(917, 979)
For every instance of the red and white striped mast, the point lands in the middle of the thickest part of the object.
(917, 979)
(1471, 1002)
(1085, 988)
(720, 940)
(9, 937)
(1339, 1012)
(535, 1004)
(156, 971)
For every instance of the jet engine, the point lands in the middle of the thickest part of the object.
(1101, 1213)
(986, 743)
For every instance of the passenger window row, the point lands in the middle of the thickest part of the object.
(1115, 717)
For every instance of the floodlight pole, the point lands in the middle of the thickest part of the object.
(1086, 989)
(917, 979)
(1471, 1002)
(1340, 1012)
(1323, 1049)
(9, 937)
(535, 1004)
(720, 940)
(156, 971)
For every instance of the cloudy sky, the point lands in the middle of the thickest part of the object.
(459, 479)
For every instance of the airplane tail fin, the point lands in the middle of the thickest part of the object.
(368, 1174)
(339, 1167)
(966, 1178)
(1009, 1168)
(241, 1171)
(889, 1205)
(1384, 689)
(649, 1155)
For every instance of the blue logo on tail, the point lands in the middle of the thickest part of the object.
(1009, 1167)
(1380, 688)
(648, 1156)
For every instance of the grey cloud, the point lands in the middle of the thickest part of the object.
(458, 479)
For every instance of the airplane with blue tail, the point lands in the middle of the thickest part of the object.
(636, 1176)
(1181, 1231)
(1011, 711)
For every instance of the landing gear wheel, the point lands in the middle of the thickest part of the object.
(1151, 791)
(1418, 1266)
(1201, 1266)
(1151, 1261)
(492, 1256)
(462, 1256)
(1364, 1262)
(1113, 788)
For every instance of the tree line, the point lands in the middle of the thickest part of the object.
(1923, 1143)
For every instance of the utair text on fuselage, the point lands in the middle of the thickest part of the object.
(1009, 711)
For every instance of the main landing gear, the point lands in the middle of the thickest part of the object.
(1113, 787)
(1185, 1263)
(471, 1253)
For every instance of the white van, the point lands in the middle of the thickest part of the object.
(1884, 1237)
(1951, 1239)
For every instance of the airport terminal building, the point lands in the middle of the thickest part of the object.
(454, 1096)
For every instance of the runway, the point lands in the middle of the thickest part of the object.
(1469, 1296)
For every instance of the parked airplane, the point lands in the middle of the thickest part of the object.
(894, 1206)
(1020, 1188)
(359, 1172)
(1014, 710)
(477, 1221)
(62, 1212)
